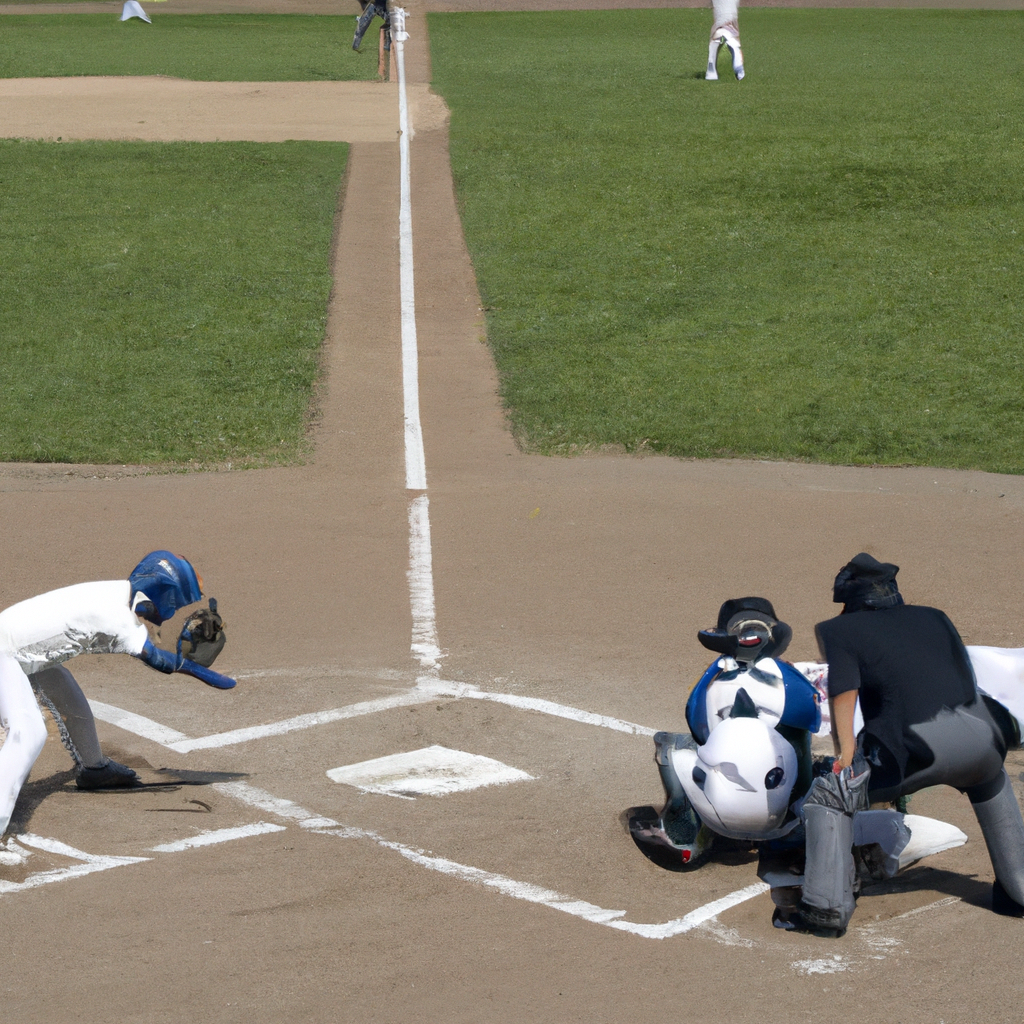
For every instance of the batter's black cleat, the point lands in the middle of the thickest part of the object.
(1003, 903)
(107, 776)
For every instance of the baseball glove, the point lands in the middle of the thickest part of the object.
(202, 636)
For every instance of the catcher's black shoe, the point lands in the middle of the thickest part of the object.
(107, 776)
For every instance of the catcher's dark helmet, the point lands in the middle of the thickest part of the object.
(161, 584)
(747, 630)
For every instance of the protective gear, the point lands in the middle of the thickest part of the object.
(866, 583)
(741, 780)
(161, 584)
(202, 636)
(747, 630)
(110, 775)
(780, 693)
(830, 873)
(1001, 824)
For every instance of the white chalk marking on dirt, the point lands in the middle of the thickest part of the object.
(182, 744)
(131, 722)
(835, 964)
(432, 771)
(415, 460)
(220, 835)
(264, 801)
(548, 707)
(421, 586)
(427, 689)
(88, 863)
(509, 886)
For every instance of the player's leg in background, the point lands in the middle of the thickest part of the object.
(725, 29)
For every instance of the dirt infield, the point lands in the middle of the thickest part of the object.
(580, 582)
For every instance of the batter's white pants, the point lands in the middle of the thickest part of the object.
(26, 734)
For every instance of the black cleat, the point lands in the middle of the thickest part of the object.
(1003, 903)
(107, 776)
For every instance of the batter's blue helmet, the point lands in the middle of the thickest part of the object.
(167, 582)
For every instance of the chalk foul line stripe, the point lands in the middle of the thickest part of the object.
(265, 801)
(415, 460)
(421, 586)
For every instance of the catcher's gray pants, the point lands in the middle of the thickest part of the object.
(58, 688)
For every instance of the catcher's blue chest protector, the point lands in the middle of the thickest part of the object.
(800, 711)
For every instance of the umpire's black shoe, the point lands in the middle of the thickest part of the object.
(107, 776)
(1003, 903)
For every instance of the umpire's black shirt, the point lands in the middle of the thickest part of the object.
(908, 663)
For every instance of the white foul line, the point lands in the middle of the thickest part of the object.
(508, 886)
(415, 461)
(421, 586)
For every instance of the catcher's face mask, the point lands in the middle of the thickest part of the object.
(747, 630)
(161, 584)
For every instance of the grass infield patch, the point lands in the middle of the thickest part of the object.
(202, 47)
(162, 302)
(822, 262)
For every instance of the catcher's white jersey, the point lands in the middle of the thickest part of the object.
(88, 618)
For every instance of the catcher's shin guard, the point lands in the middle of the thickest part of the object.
(1003, 828)
(830, 873)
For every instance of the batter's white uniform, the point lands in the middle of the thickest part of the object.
(42, 633)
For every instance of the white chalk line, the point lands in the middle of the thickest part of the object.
(215, 836)
(526, 891)
(421, 587)
(88, 864)
(426, 690)
(415, 460)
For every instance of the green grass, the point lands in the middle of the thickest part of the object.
(822, 262)
(204, 47)
(162, 302)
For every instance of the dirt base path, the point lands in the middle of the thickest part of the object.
(580, 582)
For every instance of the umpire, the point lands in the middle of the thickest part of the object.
(925, 724)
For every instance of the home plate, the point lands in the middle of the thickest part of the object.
(432, 771)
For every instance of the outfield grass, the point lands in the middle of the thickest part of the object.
(822, 262)
(205, 47)
(162, 301)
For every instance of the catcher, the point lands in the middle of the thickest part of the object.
(39, 635)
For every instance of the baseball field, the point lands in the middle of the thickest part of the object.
(611, 258)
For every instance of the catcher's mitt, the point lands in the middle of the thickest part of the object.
(202, 636)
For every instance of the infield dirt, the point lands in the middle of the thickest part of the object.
(581, 581)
